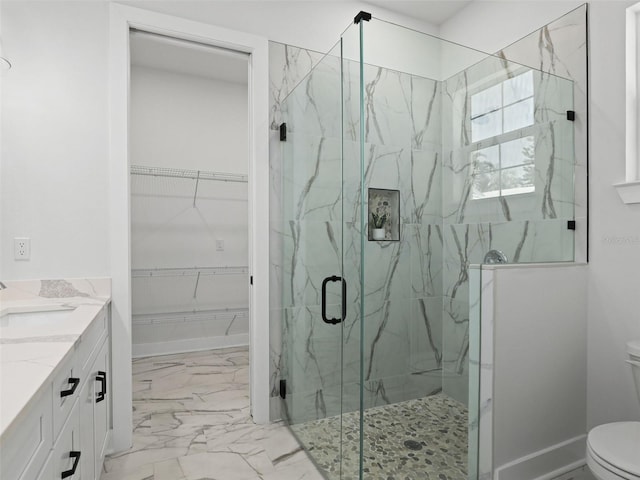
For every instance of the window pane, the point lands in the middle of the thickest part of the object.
(486, 101)
(486, 185)
(517, 180)
(486, 175)
(485, 126)
(517, 152)
(486, 159)
(518, 88)
(519, 115)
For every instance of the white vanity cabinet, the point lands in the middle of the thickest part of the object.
(25, 451)
(64, 461)
(94, 416)
(63, 434)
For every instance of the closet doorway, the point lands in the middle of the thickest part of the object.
(189, 164)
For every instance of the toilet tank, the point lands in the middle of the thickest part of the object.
(633, 349)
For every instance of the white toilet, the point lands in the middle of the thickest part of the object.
(613, 449)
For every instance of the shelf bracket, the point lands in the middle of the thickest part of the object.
(195, 193)
(195, 290)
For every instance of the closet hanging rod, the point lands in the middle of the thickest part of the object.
(188, 271)
(188, 174)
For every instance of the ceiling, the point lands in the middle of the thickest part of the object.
(435, 12)
(164, 53)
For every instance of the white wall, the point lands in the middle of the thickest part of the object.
(492, 25)
(613, 304)
(55, 139)
(186, 121)
(539, 355)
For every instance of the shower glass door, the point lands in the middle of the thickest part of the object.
(314, 290)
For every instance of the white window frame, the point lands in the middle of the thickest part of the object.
(504, 137)
(498, 141)
(629, 190)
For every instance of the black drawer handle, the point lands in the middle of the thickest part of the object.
(102, 378)
(74, 382)
(76, 461)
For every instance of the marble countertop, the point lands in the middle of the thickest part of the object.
(30, 352)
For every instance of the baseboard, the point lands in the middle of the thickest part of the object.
(582, 473)
(547, 464)
(189, 345)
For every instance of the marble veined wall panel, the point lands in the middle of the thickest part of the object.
(560, 48)
(528, 227)
(403, 280)
(418, 140)
(288, 65)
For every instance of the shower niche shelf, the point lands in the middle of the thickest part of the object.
(384, 215)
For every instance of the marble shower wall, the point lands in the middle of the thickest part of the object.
(560, 48)
(417, 140)
(531, 227)
(288, 65)
(403, 302)
(403, 280)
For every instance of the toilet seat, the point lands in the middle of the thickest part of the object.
(605, 471)
(615, 448)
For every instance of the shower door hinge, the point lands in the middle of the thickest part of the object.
(571, 115)
(571, 224)
(362, 16)
(251, 280)
(283, 389)
(283, 132)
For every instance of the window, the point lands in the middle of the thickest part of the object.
(629, 190)
(507, 167)
(504, 169)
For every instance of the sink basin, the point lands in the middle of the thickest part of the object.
(33, 319)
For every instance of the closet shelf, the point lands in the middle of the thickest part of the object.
(188, 174)
(190, 316)
(188, 271)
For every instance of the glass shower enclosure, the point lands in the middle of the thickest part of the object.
(406, 158)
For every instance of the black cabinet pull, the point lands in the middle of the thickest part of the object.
(74, 382)
(102, 378)
(334, 321)
(76, 461)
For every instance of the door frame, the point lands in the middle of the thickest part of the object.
(122, 18)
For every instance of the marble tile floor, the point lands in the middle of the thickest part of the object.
(191, 422)
(421, 439)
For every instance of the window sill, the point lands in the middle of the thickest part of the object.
(629, 192)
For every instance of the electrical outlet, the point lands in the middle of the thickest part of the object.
(219, 245)
(21, 248)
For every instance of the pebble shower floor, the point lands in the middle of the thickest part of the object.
(422, 439)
